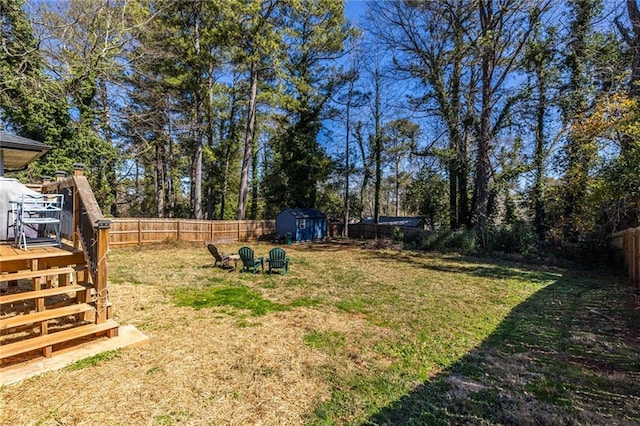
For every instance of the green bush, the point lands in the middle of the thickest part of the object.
(413, 240)
(445, 240)
(398, 235)
(518, 238)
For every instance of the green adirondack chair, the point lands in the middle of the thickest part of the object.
(278, 260)
(249, 263)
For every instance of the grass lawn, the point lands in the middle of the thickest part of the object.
(352, 334)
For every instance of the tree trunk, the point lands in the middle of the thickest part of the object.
(160, 179)
(197, 156)
(397, 188)
(539, 157)
(197, 176)
(345, 230)
(453, 195)
(365, 165)
(483, 166)
(377, 147)
(106, 128)
(248, 142)
(255, 184)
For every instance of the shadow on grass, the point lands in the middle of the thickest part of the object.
(474, 266)
(570, 354)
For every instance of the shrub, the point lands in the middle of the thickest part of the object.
(517, 238)
(398, 235)
(413, 239)
(444, 240)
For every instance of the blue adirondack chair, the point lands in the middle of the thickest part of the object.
(249, 263)
(278, 260)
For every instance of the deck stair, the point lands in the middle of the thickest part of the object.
(47, 307)
(46, 342)
(49, 314)
(35, 274)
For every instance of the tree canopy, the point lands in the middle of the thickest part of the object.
(469, 113)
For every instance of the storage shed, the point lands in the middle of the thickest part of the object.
(302, 224)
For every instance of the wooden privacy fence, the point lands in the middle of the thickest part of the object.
(133, 231)
(629, 242)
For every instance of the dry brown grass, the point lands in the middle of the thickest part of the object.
(376, 324)
(200, 367)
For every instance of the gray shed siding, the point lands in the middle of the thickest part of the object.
(303, 224)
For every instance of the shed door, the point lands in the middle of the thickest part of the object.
(303, 229)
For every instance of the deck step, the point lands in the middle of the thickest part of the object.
(35, 274)
(46, 340)
(46, 315)
(29, 295)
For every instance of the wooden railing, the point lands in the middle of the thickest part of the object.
(629, 242)
(142, 231)
(83, 224)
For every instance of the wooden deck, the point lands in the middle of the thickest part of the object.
(13, 259)
(10, 252)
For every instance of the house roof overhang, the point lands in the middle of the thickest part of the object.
(17, 152)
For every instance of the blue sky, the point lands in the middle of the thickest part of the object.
(354, 9)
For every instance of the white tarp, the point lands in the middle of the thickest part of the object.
(10, 189)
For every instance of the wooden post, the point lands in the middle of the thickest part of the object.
(77, 211)
(102, 230)
(78, 169)
(46, 180)
(239, 232)
(139, 232)
(60, 175)
(178, 226)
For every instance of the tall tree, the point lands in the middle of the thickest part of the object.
(351, 99)
(85, 44)
(580, 151)
(505, 27)
(365, 157)
(375, 139)
(258, 42)
(399, 136)
(31, 103)
(431, 43)
(541, 62)
(631, 38)
(316, 31)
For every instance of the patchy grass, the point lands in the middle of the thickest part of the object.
(95, 360)
(240, 298)
(355, 333)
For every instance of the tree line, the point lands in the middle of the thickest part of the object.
(472, 114)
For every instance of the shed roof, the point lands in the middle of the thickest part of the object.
(409, 222)
(305, 213)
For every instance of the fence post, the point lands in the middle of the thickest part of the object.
(239, 231)
(178, 233)
(139, 232)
